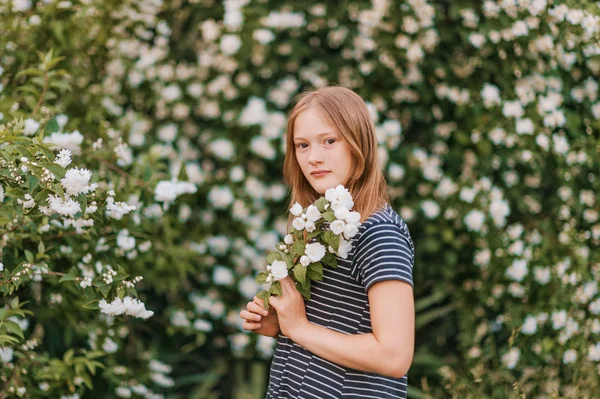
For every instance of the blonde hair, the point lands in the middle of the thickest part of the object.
(346, 112)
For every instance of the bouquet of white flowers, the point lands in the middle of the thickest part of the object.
(321, 231)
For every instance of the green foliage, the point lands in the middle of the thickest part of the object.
(488, 118)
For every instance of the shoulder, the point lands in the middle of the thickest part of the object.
(383, 219)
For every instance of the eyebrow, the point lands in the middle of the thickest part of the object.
(318, 135)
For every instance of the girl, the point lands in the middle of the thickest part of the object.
(355, 337)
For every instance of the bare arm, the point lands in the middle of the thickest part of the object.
(388, 350)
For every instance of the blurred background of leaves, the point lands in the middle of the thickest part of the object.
(494, 160)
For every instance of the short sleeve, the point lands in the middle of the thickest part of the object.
(384, 252)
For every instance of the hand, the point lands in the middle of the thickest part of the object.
(290, 308)
(260, 320)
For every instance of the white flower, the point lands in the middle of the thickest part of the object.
(230, 44)
(570, 356)
(1, 193)
(344, 248)
(296, 210)
(76, 181)
(167, 191)
(511, 358)
(255, 112)
(341, 213)
(310, 226)
(344, 197)
(477, 39)
(128, 306)
(6, 354)
(123, 392)
(475, 220)
(490, 95)
(315, 251)
(222, 148)
(223, 276)
(263, 36)
(529, 325)
(262, 146)
(353, 218)
(71, 141)
(350, 230)
(66, 207)
(168, 132)
(524, 126)
(337, 226)
(279, 269)
(298, 224)
(559, 319)
(331, 194)
(110, 346)
(125, 241)
(63, 158)
(541, 275)
(288, 239)
(312, 213)
(594, 352)
(31, 126)
(430, 208)
(283, 20)
(512, 109)
(304, 260)
(162, 380)
(518, 270)
(220, 197)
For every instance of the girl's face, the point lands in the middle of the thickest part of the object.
(323, 155)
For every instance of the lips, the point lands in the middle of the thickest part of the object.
(319, 173)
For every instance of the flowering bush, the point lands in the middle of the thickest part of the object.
(487, 115)
(322, 231)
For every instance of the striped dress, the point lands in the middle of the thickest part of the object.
(382, 250)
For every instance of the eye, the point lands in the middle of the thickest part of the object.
(300, 145)
(330, 141)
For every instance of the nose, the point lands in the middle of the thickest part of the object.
(315, 157)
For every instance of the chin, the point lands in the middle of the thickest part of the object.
(322, 186)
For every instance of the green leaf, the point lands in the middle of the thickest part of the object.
(72, 275)
(276, 288)
(59, 171)
(330, 260)
(315, 271)
(34, 182)
(25, 152)
(51, 126)
(29, 256)
(273, 256)
(48, 153)
(320, 204)
(105, 290)
(304, 289)
(262, 277)
(300, 273)
(298, 248)
(329, 216)
(14, 328)
(30, 72)
(182, 176)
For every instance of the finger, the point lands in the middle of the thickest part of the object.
(250, 316)
(285, 288)
(258, 300)
(256, 308)
(251, 326)
(274, 301)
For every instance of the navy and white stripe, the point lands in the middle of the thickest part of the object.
(382, 250)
